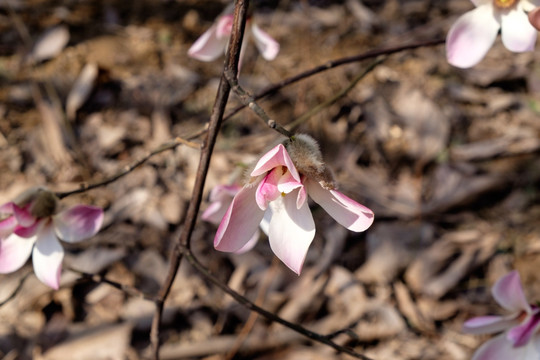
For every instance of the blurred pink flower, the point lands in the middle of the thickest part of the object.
(210, 45)
(33, 227)
(473, 34)
(520, 339)
(278, 192)
(534, 18)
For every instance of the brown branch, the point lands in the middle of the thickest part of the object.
(267, 314)
(129, 168)
(184, 241)
(17, 289)
(333, 64)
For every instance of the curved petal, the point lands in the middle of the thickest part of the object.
(345, 211)
(288, 183)
(208, 46)
(250, 244)
(47, 257)
(268, 47)
(24, 218)
(78, 223)
(278, 156)
(30, 230)
(489, 324)
(471, 36)
(518, 35)
(521, 334)
(221, 197)
(268, 188)
(240, 221)
(7, 226)
(508, 293)
(291, 231)
(224, 26)
(499, 348)
(14, 251)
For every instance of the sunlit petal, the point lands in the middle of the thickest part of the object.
(14, 251)
(47, 257)
(268, 188)
(291, 231)
(499, 348)
(278, 156)
(518, 35)
(78, 223)
(344, 210)
(240, 221)
(471, 36)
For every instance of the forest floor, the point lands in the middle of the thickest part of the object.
(446, 158)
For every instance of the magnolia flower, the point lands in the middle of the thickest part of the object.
(31, 225)
(474, 32)
(280, 183)
(214, 41)
(520, 339)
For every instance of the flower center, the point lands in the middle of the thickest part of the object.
(504, 4)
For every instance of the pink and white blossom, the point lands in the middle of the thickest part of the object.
(473, 34)
(210, 45)
(520, 338)
(33, 228)
(278, 191)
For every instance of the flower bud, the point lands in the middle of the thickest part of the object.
(42, 202)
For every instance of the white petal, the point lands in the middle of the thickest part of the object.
(471, 36)
(278, 156)
(489, 324)
(208, 47)
(268, 47)
(14, 251)
(500, 348)
(518, 35)
(78, 223)
(347, 212)
(47, 257)
(240, 222)
(291, 231)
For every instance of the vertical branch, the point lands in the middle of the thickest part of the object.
(184, 241)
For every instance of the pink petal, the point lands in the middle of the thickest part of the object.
(278, 156)
(499, 348)
(471, 36)
(240, 221)
(291, 231)
(208, 46)
(521, 334)
(508, 293)
(268, 47)
(268, 188)
(7, 226)
(250, 244)
(489, 324)
(47, 257)
(221, 197)
(288, 183)
(78, 223)
(345, 211)
(518, 35)
(6, 209)
(14, 251)
(224, 26)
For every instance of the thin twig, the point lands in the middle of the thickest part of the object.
(267, 314)
(97, 278)
(184, 241)
(249, 101)
(129, 168)
(17, 289)
(338, 96)
(333, 64)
